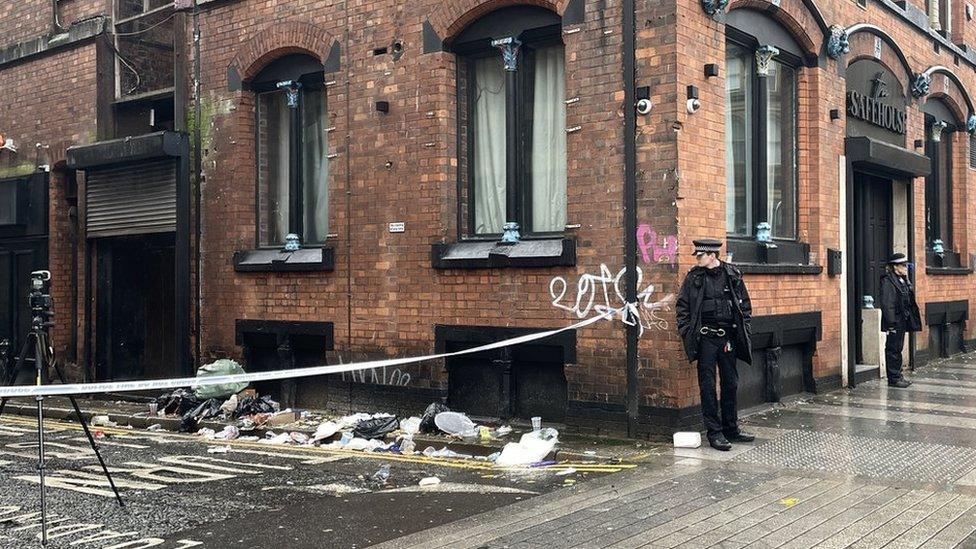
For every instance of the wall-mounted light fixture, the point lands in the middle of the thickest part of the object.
(711, 69)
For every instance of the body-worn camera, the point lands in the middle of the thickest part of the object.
(39, 298)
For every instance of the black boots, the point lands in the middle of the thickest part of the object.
(720, 443)
(901, 383)
(723, 441)
(740, 437)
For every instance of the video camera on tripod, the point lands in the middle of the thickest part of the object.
(40, 300)
(38, 353)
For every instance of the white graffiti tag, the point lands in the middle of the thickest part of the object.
(604, 293)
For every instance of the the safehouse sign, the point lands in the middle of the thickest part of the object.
(874, 107)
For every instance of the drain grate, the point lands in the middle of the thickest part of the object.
(864, 456)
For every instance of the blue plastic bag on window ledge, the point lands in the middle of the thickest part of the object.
(222, 367)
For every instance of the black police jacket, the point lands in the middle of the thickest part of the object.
(688, 312)
(899, 311)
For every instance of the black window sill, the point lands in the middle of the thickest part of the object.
(279, 261)
(777, 268)
(948, 271)
(475, 254)
(781, 257)
(946, 260)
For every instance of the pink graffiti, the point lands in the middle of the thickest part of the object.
(656, 249)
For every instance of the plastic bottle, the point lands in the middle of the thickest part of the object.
(407, 445)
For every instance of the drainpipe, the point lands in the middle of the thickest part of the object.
(55, 20)
(630, 205)
(197, 177)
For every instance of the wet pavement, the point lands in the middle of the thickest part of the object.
(182, 491)
(868, 467)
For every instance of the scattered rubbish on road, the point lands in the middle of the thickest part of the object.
(271, 438)
(230, 432)
(325, 430)
(230, 405)
(376, 427)
(382, 475)
(284, 417)
(246, 411)
(222, 367)
(411, 425)
(336, 489)
(430, 481)
(427, 424)
(250, 405)
(352, 420)
(218, 450)
(531, 448)
(406, 445)
(430, 451)
(103, 421)
(454, 423)
(502, 431)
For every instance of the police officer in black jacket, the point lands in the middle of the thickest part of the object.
(899, 314)
(713, 315)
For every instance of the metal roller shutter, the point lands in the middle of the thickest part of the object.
(131, 199)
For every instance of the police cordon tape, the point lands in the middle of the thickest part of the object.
(175, 383)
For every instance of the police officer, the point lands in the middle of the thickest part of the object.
(899, 314)
(713, 315)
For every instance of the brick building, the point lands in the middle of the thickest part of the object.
(401, 141)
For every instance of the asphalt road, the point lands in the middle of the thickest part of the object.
(178, 493)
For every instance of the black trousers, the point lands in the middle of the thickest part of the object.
(893, 359)
(718, 351)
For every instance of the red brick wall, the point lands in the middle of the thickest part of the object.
(396, 297)
(25, 19)
(56, 112)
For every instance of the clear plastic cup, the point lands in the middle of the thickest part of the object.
(536, 423)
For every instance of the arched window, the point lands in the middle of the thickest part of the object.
(512, 113)
(762, 62)
(292, 151)
(940, 127)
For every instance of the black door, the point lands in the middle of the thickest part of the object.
(872, 241)
(135, 308)
(17, 261)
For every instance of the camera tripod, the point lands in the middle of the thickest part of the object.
(43, 356)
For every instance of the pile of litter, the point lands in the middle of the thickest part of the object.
(247, 411)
